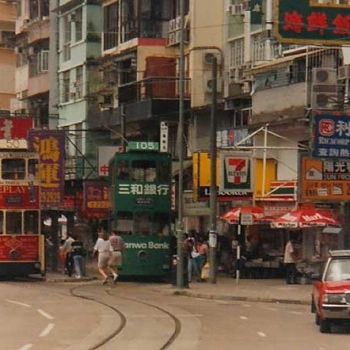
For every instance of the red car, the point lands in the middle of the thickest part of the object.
(331, 291)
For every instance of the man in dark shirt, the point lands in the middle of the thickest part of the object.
(78, 253)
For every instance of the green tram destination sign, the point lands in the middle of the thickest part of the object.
(143, 146)
(311, 22)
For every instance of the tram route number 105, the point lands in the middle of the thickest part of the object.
(143, 146)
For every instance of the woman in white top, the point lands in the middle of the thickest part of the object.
(103, 248)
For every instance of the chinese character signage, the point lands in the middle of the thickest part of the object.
(324, 180)
(96, 199)
(312, 22)
(50, 145)
(231, 137)
(331, 136)
(105, 154)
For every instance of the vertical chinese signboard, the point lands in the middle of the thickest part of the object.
(50, 144)
(312, 22)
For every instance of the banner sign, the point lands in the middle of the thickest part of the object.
(95, 196)
(235, 172)
(50, 145)
(324, 180)
(331, 136)
(312, 22)
(231, 137)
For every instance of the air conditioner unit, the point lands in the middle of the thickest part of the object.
(324, 76)
(236, 74)
(45, 18)
(344, 72)
(324, 101)
(209, 55)
(208, 84)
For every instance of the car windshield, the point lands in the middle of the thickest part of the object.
(338, 270)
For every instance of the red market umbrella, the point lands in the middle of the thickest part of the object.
(232, 216)
(305, 218)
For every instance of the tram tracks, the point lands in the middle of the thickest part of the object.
(112, 335)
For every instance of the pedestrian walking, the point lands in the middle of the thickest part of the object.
(117, 255)
(103, 248)
(78, 255)
(290, 262)
(67, 250)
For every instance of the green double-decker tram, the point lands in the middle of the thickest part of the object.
(141, 189)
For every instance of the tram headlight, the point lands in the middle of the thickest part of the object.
(14, 254)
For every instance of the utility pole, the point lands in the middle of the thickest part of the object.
(179, 229)
(213, 193)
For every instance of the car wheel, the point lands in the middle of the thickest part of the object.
(317, 319)
(325, 326)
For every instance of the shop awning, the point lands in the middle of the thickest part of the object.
(176, 166)
(330, 229)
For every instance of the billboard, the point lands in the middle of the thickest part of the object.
(96, 201)
(331, 136)
(50, 144)
(312, 22)
(324, 180)
(14, 132)
(105, 154)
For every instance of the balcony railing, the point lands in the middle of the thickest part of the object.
(152, 88)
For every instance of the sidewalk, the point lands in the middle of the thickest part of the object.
(264, 290)
(226, 288)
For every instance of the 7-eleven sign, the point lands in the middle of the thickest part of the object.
(235, 173)
(236, 170)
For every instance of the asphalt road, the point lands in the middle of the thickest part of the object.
(131, 316)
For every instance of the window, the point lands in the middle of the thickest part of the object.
(144, 170)
(237, 53)
(161, 224)
(66, 87)
(1, 222)
(42, 61)
(67, 37)
(143, 223)
(125, 223)
(31, 222)
(33, 169)
(110, 35)
(79, 82)
(78, 24)
(13, 223)
(13, 169)
(129, 20)
(123, 170)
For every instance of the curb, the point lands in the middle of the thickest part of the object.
(187, 293)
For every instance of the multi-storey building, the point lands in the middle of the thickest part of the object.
(7, 55)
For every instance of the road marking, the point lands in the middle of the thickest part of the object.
(17, 303)
(26, 347)
(243, 318)
(43, 313)
(270, 308)
(262, 334)
(47, 330)
(246, 305)
(296, 312)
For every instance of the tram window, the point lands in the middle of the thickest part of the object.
(13, 169)
(124, 223)
(144, 170)
(14, 223)
(31, 222)
(123, 170)
(143, 224)
(33, 169)
(1, 222)
(161, 224)
(164, 172)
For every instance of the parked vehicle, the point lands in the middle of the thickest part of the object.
(331, 291)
